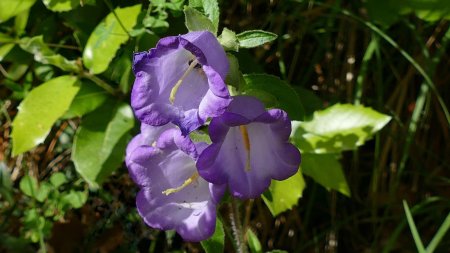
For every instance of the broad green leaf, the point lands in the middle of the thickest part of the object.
(228, 40)
(254, 38)
(100, 141)
(76, 199)
(57, 179)
(211, 9)
(61, 5)
(43, 191)
(253, 242)
(28, 185)
(10, 8)
(283, 195)
(88, 98)
(39, 111)
(4, 50)
(196, 21)
(107, 37)
(20, 22)
(326, 170)
(310, 101)
(337, 128)
(43, 54)
(215, 244)
(287, 98)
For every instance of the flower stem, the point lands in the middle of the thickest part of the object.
(236, 226)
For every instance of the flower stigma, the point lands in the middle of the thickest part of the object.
(187, 182)
(246, 141)
(192, 64)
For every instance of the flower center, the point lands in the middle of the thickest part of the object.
(187, 182)
(193, 64)
(246, 141)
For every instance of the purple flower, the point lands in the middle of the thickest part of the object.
(172, 196)
(250, 147)
(181, 81)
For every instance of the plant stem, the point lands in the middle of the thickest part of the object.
(236, 227)
(99, 82)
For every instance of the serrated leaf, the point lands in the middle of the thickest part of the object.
(326, 170)
(10, 8)
(283, 195)
(337, 128)
(196, 21)
(211, 9)
(253, 242)
(254, 38)
(215, 244)
(39, 111)
(286, 97)
(57, 179)
(88, 98)
(100, 141)
(61, 5)
(107, 37)
(43, 54)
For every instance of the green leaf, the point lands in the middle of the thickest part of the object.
(61, 5)
(43, 191)
(39, 111)
(4, 50)
(100, 141)
(196, 21)
(253, 242)
(326, 170)
(412, 226)
(57, 179)
(310, 101)
(76, 199)
(283, 195)
(199, 136)
(211, 8)
(337, 128)
(228, 40)
(215, 244)
(88, 98)
(10, 8)
(28, 185)
(107, 37)
(234, 76)
(277, 251)
(43, 54)
(287, 98)
(254, 38)
(20, 22)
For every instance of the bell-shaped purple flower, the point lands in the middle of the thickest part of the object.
(181, 81)
(172, 195)
(250, 147)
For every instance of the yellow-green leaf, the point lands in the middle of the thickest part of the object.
(10, 8)
(107, 37)
(39, 111)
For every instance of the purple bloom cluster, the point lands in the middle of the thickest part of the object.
(179, 85)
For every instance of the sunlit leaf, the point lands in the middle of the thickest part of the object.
(88, 98)
(107, 37)
(42, 53)
(286, 97)
(196, 21)
(254, 38)
(283, 195)
(76, 199)
(211, 8)
(100, 141)
(39, 111)
(61, 5)
(326, 170)
(10, 8)
(57, 179)
(337, 128)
